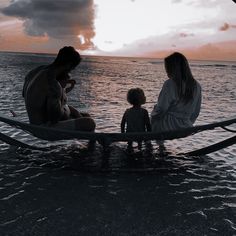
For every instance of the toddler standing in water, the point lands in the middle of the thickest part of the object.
(136, 118)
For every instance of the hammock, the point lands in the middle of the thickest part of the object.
(55, 134)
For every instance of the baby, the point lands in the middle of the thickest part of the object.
(136, 118)
(67, 85)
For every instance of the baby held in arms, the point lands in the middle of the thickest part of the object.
(135, 118)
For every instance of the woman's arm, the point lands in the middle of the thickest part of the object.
(197, 109)
(165, 99)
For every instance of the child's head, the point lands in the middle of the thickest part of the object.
(136, 97)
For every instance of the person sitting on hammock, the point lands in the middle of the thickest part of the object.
(179, 101)
(45, 97)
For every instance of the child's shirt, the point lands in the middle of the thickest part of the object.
(136, 120)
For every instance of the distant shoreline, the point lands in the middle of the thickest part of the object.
(106, 56)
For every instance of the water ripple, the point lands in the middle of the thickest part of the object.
(69, 190)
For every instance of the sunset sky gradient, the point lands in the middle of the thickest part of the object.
(152, 28)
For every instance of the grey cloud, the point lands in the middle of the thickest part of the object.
(176, 1)
(203, 3)
(185, 35)
(60, 19)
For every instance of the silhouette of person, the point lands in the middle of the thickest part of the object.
(44, 92)
(136, 118)
(179, 101)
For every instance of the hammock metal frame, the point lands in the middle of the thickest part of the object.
(54, 134)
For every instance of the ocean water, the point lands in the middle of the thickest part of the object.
(70, 190)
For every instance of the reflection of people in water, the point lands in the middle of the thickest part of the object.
(45, 90)
(179, 101)
(136, 118)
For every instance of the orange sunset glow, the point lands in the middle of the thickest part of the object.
(200, 29)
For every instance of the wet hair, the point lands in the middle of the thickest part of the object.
(67, 55)
(135, 96)
(177, 68)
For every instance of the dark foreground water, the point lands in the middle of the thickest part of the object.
(70, 190)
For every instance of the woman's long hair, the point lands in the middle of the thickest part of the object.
(177, 68)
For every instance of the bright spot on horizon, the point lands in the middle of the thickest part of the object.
(118, 24)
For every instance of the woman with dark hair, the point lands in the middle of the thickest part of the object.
(179, 101)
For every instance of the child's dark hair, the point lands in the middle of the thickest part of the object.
(135, 96)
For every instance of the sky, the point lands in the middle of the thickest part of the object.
(150, 28)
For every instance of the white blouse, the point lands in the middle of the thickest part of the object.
(171, 114)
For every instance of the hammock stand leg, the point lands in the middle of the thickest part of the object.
(16, 143)
(212, 148)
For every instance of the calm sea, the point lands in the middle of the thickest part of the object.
(66, 191)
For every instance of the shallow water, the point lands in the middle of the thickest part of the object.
(70, 190)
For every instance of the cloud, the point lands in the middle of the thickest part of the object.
(210, 51)
(176, 1)
(58, 19)
(226, 27)
(185, 35)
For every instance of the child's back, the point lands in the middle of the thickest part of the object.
(136, 119)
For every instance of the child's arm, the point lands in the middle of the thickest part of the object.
(72, 84)
(74, 112)
(147, 122)
(123, 122)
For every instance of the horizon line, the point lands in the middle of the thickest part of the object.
(116, 56)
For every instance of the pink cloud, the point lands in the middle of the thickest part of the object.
(210, 51)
